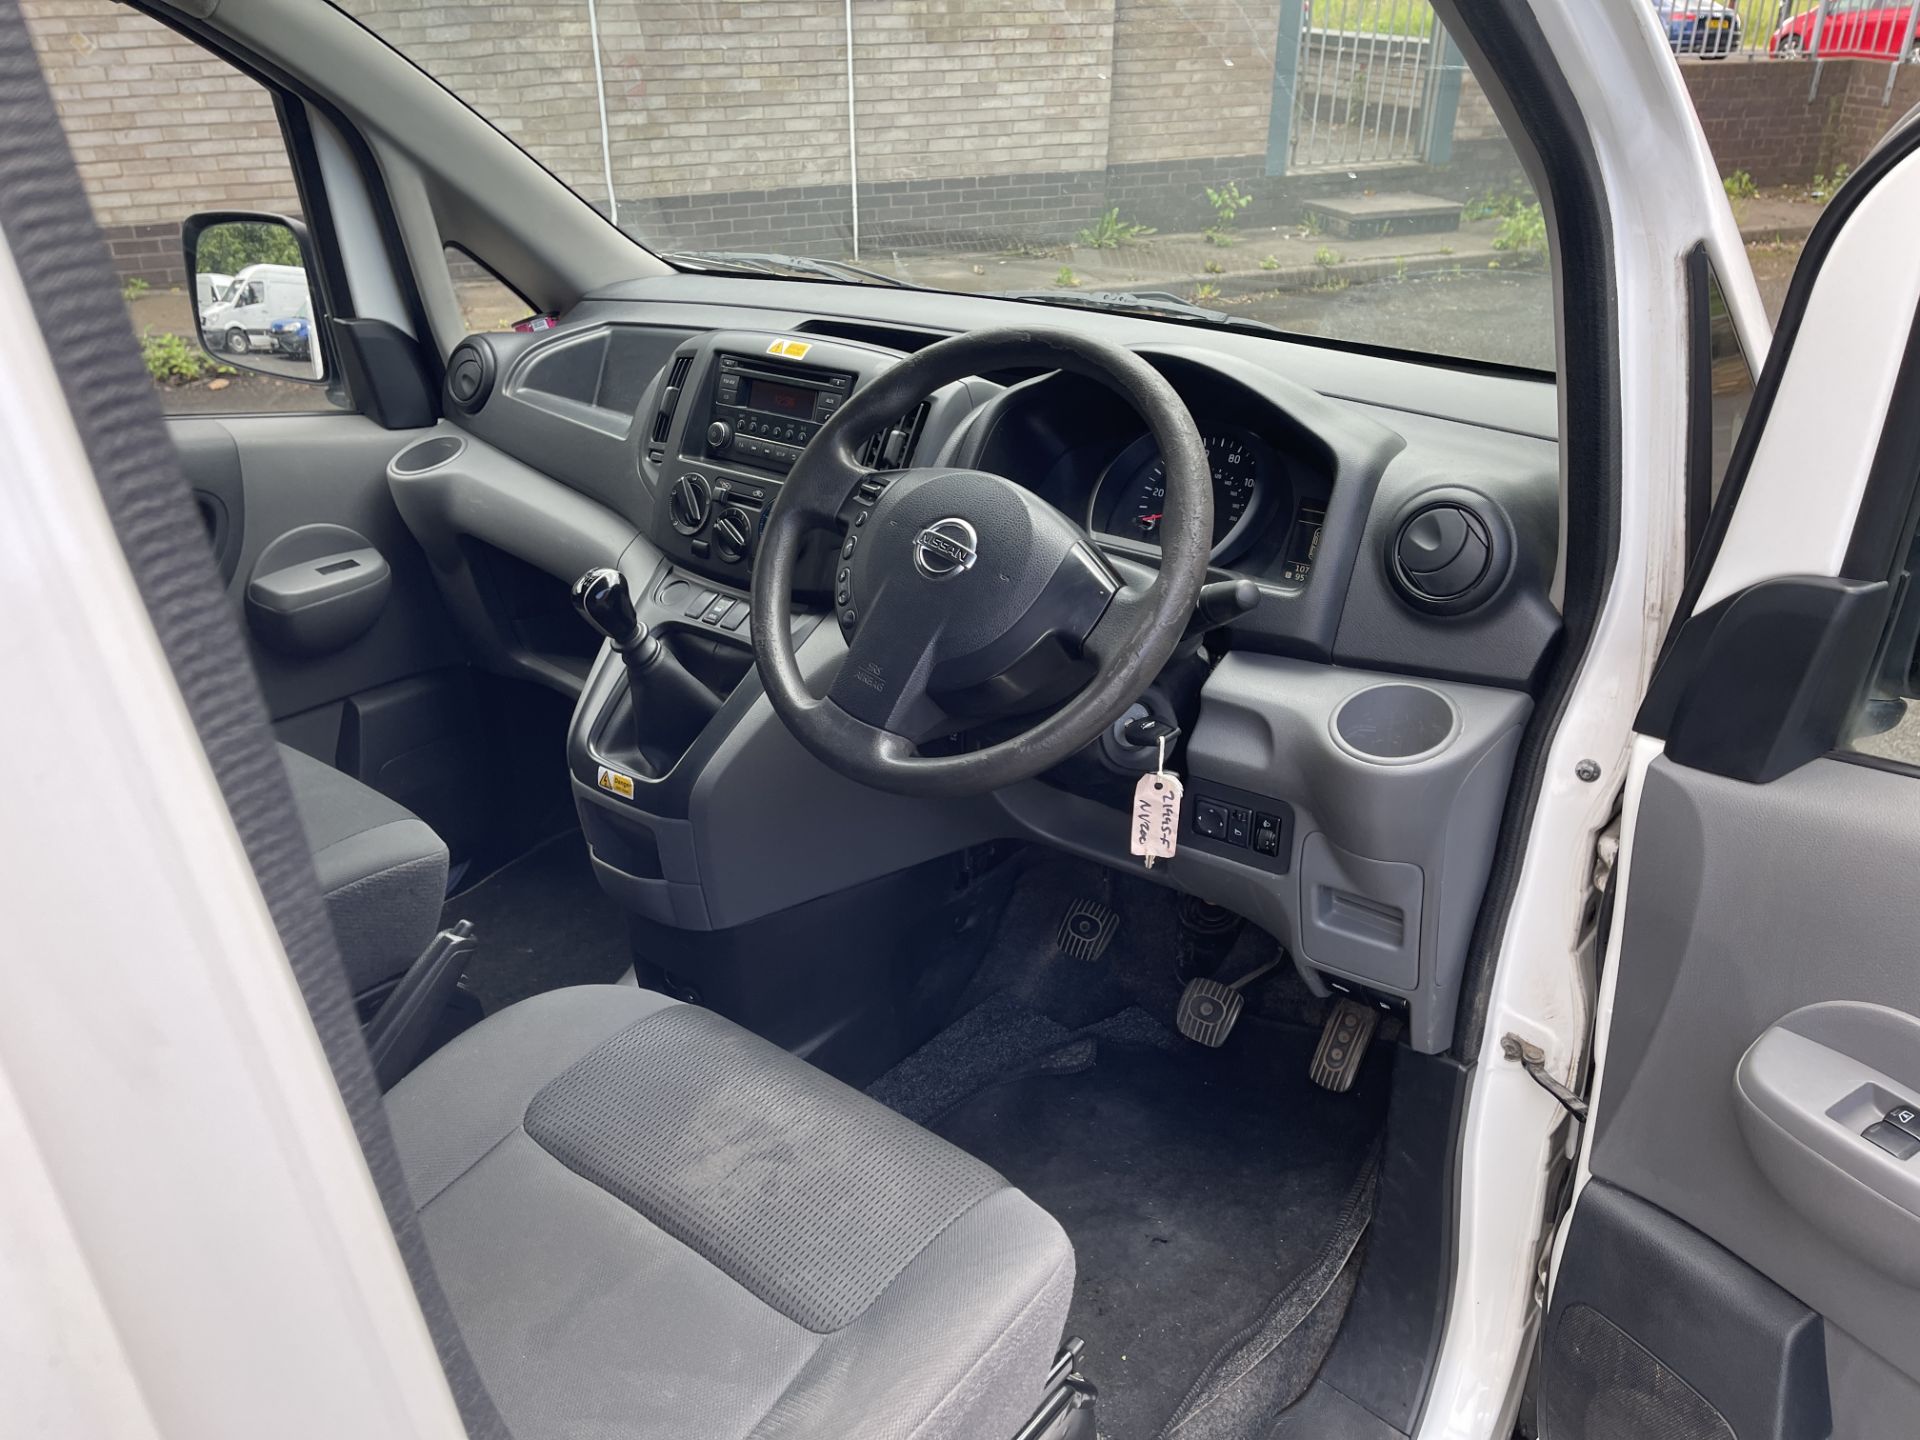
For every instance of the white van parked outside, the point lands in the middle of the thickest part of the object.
(210, 289)
(259, 295)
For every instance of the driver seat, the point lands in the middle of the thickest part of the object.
(649, 1222)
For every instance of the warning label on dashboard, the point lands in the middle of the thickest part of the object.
(621, 785)
(789, 349)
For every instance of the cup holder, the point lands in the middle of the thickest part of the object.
(428, 454)
(1395, 724)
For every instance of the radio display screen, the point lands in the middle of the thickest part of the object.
(770, 397)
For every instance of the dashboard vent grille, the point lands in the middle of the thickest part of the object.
(670, 397)
(892, 448)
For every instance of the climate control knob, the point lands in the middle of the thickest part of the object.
(732, 533)
(690, 502)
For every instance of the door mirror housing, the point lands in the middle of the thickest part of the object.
(259, 270)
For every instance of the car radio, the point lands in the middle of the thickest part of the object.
(764, 414)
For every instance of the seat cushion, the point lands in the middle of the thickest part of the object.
(651, 1223)
(383, 871)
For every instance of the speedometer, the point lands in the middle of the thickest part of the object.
(1133, 501)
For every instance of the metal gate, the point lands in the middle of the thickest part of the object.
(1372, 82)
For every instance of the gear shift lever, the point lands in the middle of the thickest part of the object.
(602, 598)
(670, 707)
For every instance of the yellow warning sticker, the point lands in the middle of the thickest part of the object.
(789, 349)
(621, 785)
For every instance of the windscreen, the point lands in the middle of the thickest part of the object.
(1329, 167)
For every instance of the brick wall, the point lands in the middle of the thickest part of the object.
(1166, 52)
(158, 129)
(1758, 115)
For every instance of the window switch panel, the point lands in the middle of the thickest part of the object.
(1892, 1139)
(1905, 1117)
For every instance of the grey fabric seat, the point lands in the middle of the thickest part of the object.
(650, 1223)
(383, 871)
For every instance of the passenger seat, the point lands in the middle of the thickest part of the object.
(383, 870)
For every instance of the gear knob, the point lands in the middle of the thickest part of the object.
(602, 598)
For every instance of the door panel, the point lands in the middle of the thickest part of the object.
(1746, 903)
(278, 476)
(1744, 1258)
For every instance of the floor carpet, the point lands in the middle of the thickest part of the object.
(543, 922)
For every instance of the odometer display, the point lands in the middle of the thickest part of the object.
(1136, 502)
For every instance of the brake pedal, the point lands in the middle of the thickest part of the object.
(1086, 931)
(1209, 1009)
(1343, 1045)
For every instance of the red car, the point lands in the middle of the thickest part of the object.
(1854, 29)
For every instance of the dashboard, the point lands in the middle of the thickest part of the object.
(1346, 733)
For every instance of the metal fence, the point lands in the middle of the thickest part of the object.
(1373, 82)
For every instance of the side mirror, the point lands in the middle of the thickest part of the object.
(259, 270)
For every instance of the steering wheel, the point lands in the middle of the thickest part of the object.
(964, 597)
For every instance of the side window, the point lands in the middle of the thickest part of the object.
(1886, 725)
(1723, 386)
(161, 129)
(486, 301)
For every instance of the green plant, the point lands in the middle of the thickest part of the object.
(1227, 202)
(132, 288)
(1497, 204)
(1326, 258)
(1110, 232)
(231, 246)
(1066, 277)
(1824, 186)
(175, 360)
(1214, 267)
(1399, 267)
(1330, 283)
(1524, 233)
(1271, 262)
(1203, 293)
(1739, 186)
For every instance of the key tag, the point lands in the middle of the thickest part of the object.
(1156, 812)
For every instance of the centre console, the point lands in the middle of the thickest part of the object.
(732, 415)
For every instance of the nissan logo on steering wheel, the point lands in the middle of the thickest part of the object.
(945, 548)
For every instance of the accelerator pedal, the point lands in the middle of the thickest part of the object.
(1343, 1045)
(1087, 930)
(1208, 1009)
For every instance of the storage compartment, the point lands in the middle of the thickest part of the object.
(316, 590)
(1360, 917)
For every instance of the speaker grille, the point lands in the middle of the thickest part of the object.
(1601, 1384)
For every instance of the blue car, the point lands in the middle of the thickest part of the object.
(292, 336)
(1706, 28)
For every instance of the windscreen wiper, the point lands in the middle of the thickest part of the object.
(1154, 303)
(761, 262)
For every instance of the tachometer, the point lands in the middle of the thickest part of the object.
(1134, 498)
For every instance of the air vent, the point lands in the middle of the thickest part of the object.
(1450, 553)
(470, 371)
(892, 448)
(670, 397)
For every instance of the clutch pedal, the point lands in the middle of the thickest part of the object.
(1343, 1045)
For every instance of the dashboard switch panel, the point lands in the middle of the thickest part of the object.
(1252, 829)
